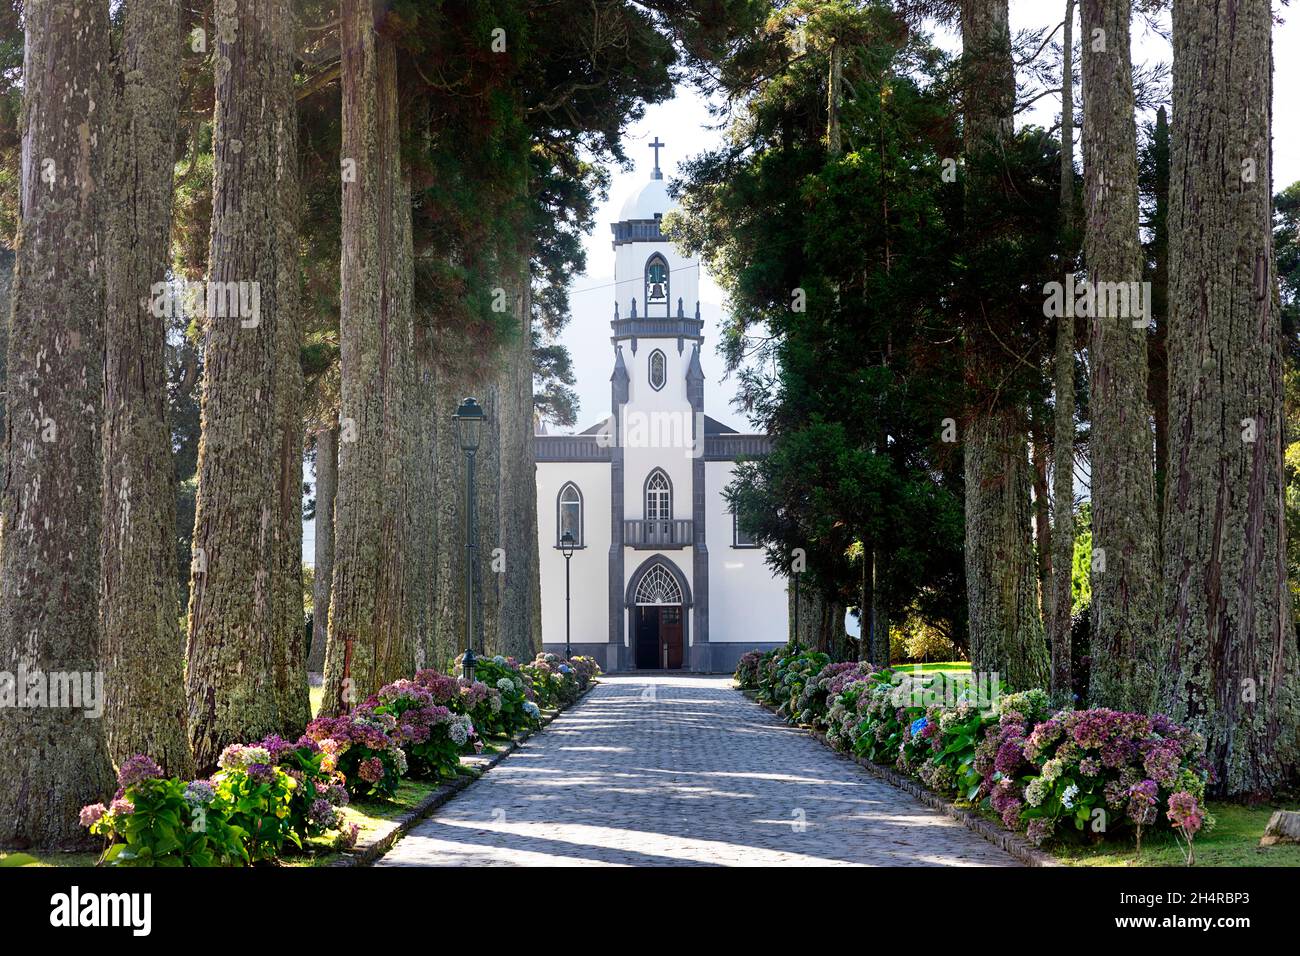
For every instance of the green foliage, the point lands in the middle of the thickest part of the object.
(840, 271)
(157, 822)
(1081, 570)
(514, 714)
(259, 799)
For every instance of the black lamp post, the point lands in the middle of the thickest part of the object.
(566, 548)
(469, 428)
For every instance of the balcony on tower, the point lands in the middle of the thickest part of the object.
(652, 533)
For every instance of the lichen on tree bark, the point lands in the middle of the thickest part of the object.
(1229, 646)
(53, 759)
(143, 645)
(1124, 573)
(234, 679)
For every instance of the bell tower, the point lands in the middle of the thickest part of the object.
(657, 478)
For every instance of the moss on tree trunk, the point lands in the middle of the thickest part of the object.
(235, 674)
(53, 759)
(143, 646)
(1230, 647)
(1006, 631)
(1124, 584)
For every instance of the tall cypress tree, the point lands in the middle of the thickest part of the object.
(1230, 648)
(235, 676)
(53, 759)
(1006, 629)
(1123, 503)
(143, 645)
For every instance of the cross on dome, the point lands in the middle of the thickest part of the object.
(656, 145)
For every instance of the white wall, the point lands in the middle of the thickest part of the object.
(747, 602)
(590, 564)
(656, 426)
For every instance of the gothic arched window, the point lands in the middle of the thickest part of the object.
(658, 589)
(568, 514)
(658, 369)
(658, 496)
(656, 283)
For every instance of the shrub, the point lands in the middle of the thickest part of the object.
(157, 821)
(1098, 770)
(502, 711)
(258, 795)
(586, 670)
(822, 687)
(431, 735)
(314, 806)
(1105, 770)
(955, 763)
(746, 674)
(556, 682)
(782, 680)
(364, 747)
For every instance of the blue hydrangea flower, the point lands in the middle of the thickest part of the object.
(919, 725)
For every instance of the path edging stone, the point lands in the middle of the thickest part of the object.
(367, 852)
(1011, 843)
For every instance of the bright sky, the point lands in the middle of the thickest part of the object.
(685, 126)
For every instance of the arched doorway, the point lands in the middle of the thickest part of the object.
(658, 597)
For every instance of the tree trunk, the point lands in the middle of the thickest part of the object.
(233, 662)
(6, 310)
(880, 644)
(327, 485)
(422, 528)
(1123, 504)
(143, 647)
(1230, 651)
(487, 489)
(449, 513)
(833, 87)
(293, 701)
(1006, 633)
(1157, 361)
(1062, 605)
(368, 645)
(53, 759)
(1038, 452)
(518, 481)
(398, 330)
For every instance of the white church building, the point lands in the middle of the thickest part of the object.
(661, 576)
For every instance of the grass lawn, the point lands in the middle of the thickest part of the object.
(933, 667)
(50, 859)
(315, 694)
(1234, 841)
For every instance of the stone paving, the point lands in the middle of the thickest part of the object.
(666, 770)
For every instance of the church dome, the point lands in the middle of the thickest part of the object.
(647, 202)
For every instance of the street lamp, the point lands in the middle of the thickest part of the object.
(469, 428)
(566, 548)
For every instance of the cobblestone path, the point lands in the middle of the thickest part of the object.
(661, 770)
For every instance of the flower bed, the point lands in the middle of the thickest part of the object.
(268, 799)
(1085, 775)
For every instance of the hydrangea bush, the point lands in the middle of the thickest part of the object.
(431, 735)
(365, 747)
(258, 794)
(1102, 770)
(1086, 773)
(270, 797)
(163, 821)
